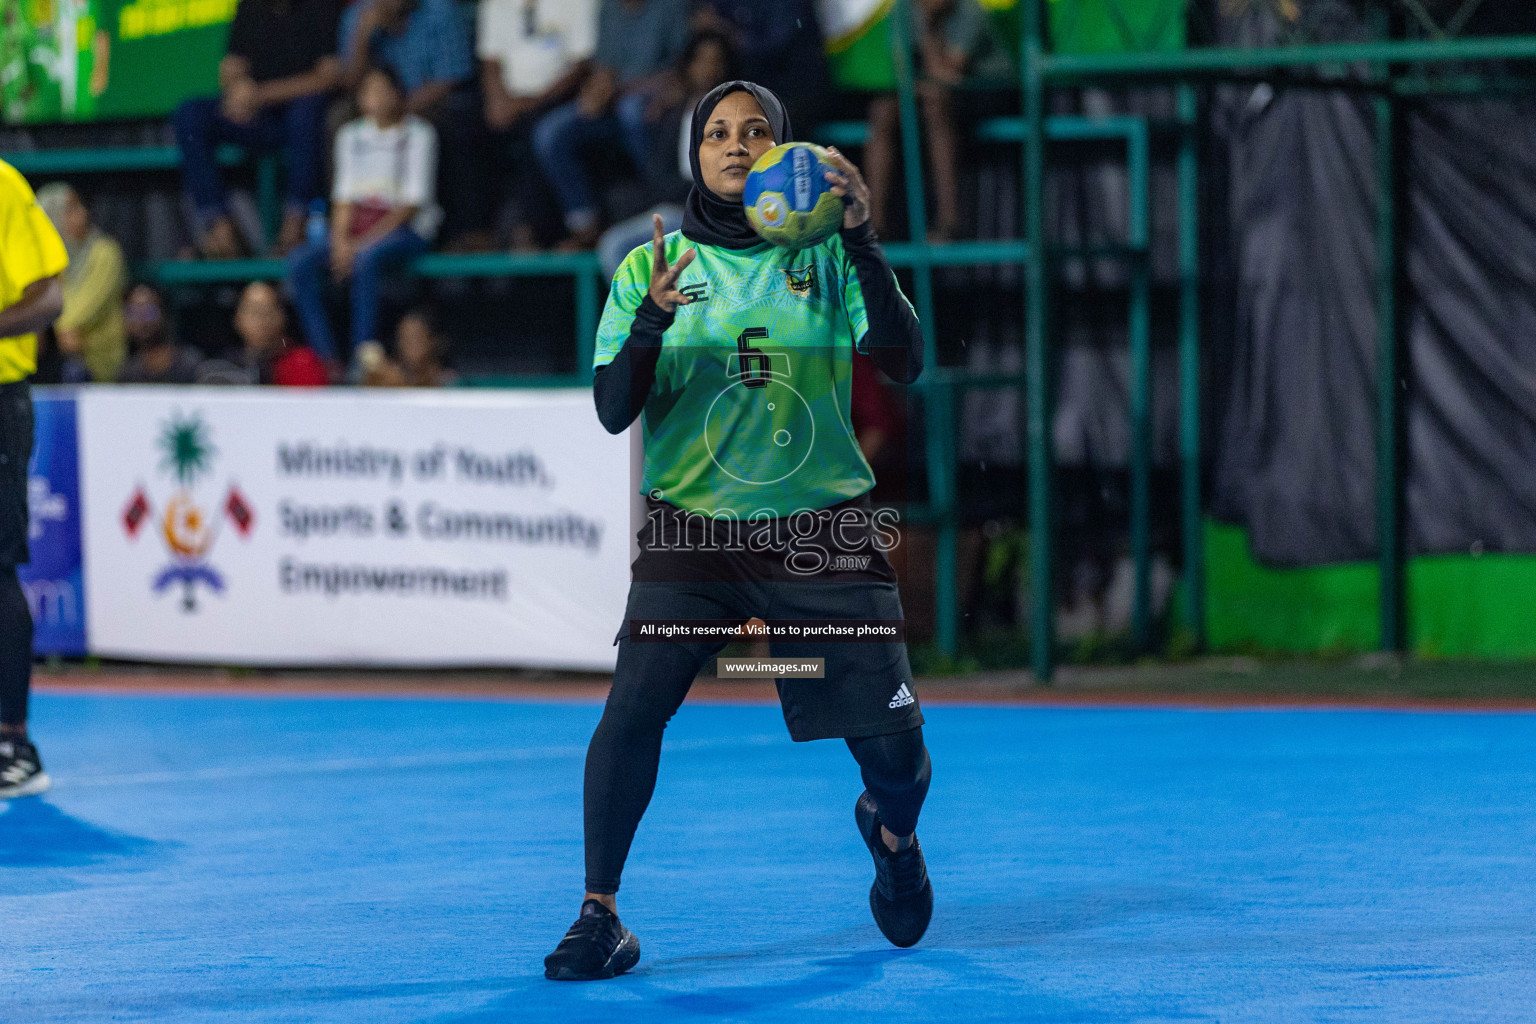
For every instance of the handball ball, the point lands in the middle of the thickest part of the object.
(788, 198)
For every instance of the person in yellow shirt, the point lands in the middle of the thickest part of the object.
(32, 258)
(91, 332)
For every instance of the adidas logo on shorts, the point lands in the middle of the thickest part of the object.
(903, 698)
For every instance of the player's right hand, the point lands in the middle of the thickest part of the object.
(663, 278)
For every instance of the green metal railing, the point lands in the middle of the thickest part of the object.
(125, 159)
(1228, 62)
(1189, 364)
(1397, 72)
(108, 159)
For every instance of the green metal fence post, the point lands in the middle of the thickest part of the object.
(268, 200)
(937, 415)
(1189, 364)
(912, 172)
(1138, 161)
(1037, 362)
(1388, 485)
(586, 322)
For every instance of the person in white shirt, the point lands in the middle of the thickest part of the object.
(534, 56)
(384, 211)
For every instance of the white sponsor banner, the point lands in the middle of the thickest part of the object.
(353, 527)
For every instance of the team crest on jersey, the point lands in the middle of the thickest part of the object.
(696, 291)
(802, 280)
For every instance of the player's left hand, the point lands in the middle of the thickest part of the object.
(849, 186)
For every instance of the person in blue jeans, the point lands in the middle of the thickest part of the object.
(274, 83)
(384, 212)
(634, 81)
(426, 43)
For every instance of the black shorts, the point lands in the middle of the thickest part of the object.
(867, 689)
(15, 455)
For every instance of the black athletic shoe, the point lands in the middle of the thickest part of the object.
(597, 946)
(21, 770)
(901, 897)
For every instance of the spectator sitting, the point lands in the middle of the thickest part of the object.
(273, 82)
(534, 55)
(422, 349)
(90, 330)
(633, 82)
(156, 358)
(419, 350)
(383, 211)
(707, 61)
(426, 44)
(954, 38)
(267, 355)
(779, 45)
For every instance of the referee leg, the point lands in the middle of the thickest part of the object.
(16, 438)
(15, 653)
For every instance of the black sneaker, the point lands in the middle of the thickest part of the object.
(901, 897)
(21, 770)
(597, 946)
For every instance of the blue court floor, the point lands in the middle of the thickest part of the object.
(316, 859)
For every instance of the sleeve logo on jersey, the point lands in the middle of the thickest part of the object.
(802, 280)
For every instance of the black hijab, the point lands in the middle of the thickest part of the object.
(707, 218)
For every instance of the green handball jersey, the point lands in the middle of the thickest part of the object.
(749, 410)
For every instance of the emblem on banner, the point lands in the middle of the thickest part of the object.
(187, 529)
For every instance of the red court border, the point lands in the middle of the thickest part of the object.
(595, 688)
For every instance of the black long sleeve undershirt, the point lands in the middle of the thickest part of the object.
(621, 387)
(895, 339)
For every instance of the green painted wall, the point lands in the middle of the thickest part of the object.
(1114, 26)
(1459, 606)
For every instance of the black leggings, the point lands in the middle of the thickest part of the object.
(15, 649)
(626, 749)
